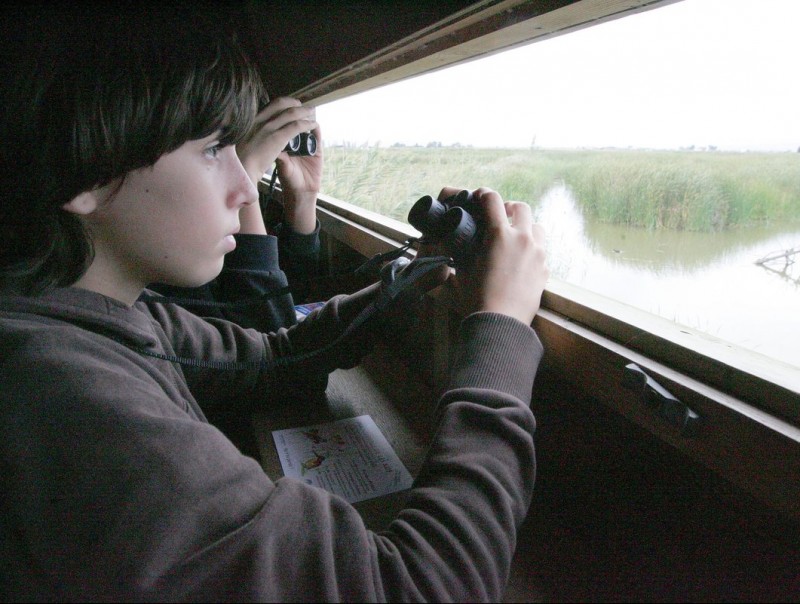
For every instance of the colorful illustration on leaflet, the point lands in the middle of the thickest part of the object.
(313, 462)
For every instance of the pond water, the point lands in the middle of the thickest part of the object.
(709, 282)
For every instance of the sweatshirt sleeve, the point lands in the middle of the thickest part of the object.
(127, 496)
(455, 538)
(263, 364)
(252, 290)
(252, 275)
(299, 253)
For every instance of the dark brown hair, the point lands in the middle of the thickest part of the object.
(90, 97)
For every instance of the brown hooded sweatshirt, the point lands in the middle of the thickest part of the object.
(115, 487)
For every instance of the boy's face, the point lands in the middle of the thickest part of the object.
(172, 222)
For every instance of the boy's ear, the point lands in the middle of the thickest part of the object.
(84, 203)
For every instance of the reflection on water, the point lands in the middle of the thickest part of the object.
(709, 282)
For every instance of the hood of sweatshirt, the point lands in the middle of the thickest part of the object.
(96, 312)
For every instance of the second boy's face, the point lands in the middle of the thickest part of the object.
(172, 222)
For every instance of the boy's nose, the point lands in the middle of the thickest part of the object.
(243, 191)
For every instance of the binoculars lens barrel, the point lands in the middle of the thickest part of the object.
(451, 221)
(304, 143)
(426, 214)
(460, 228)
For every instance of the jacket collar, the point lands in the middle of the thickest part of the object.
(88, 309)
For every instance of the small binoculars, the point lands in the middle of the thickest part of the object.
(456, 222)
(304, 143)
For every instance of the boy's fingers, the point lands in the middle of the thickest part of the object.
(276, 106)
(493, 207)
(519, 214)
(285, 110)
(447, 192)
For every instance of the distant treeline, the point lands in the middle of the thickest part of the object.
(699, 191)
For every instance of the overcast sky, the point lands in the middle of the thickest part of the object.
(698, 72)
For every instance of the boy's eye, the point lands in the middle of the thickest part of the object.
(213, 150)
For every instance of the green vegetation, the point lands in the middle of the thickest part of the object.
(682, 190)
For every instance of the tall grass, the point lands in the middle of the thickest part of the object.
(389, 181)
(698, 191)
(692, 191)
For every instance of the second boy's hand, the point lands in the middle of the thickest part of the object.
(301, 176)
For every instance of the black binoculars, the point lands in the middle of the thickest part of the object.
(304, 143)
(456, 222)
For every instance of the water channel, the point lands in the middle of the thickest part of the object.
(708, 282)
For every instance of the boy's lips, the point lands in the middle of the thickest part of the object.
(230, 240)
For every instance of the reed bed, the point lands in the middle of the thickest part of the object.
(691, 190)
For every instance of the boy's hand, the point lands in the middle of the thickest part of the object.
(508, 273)
(301, 176)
